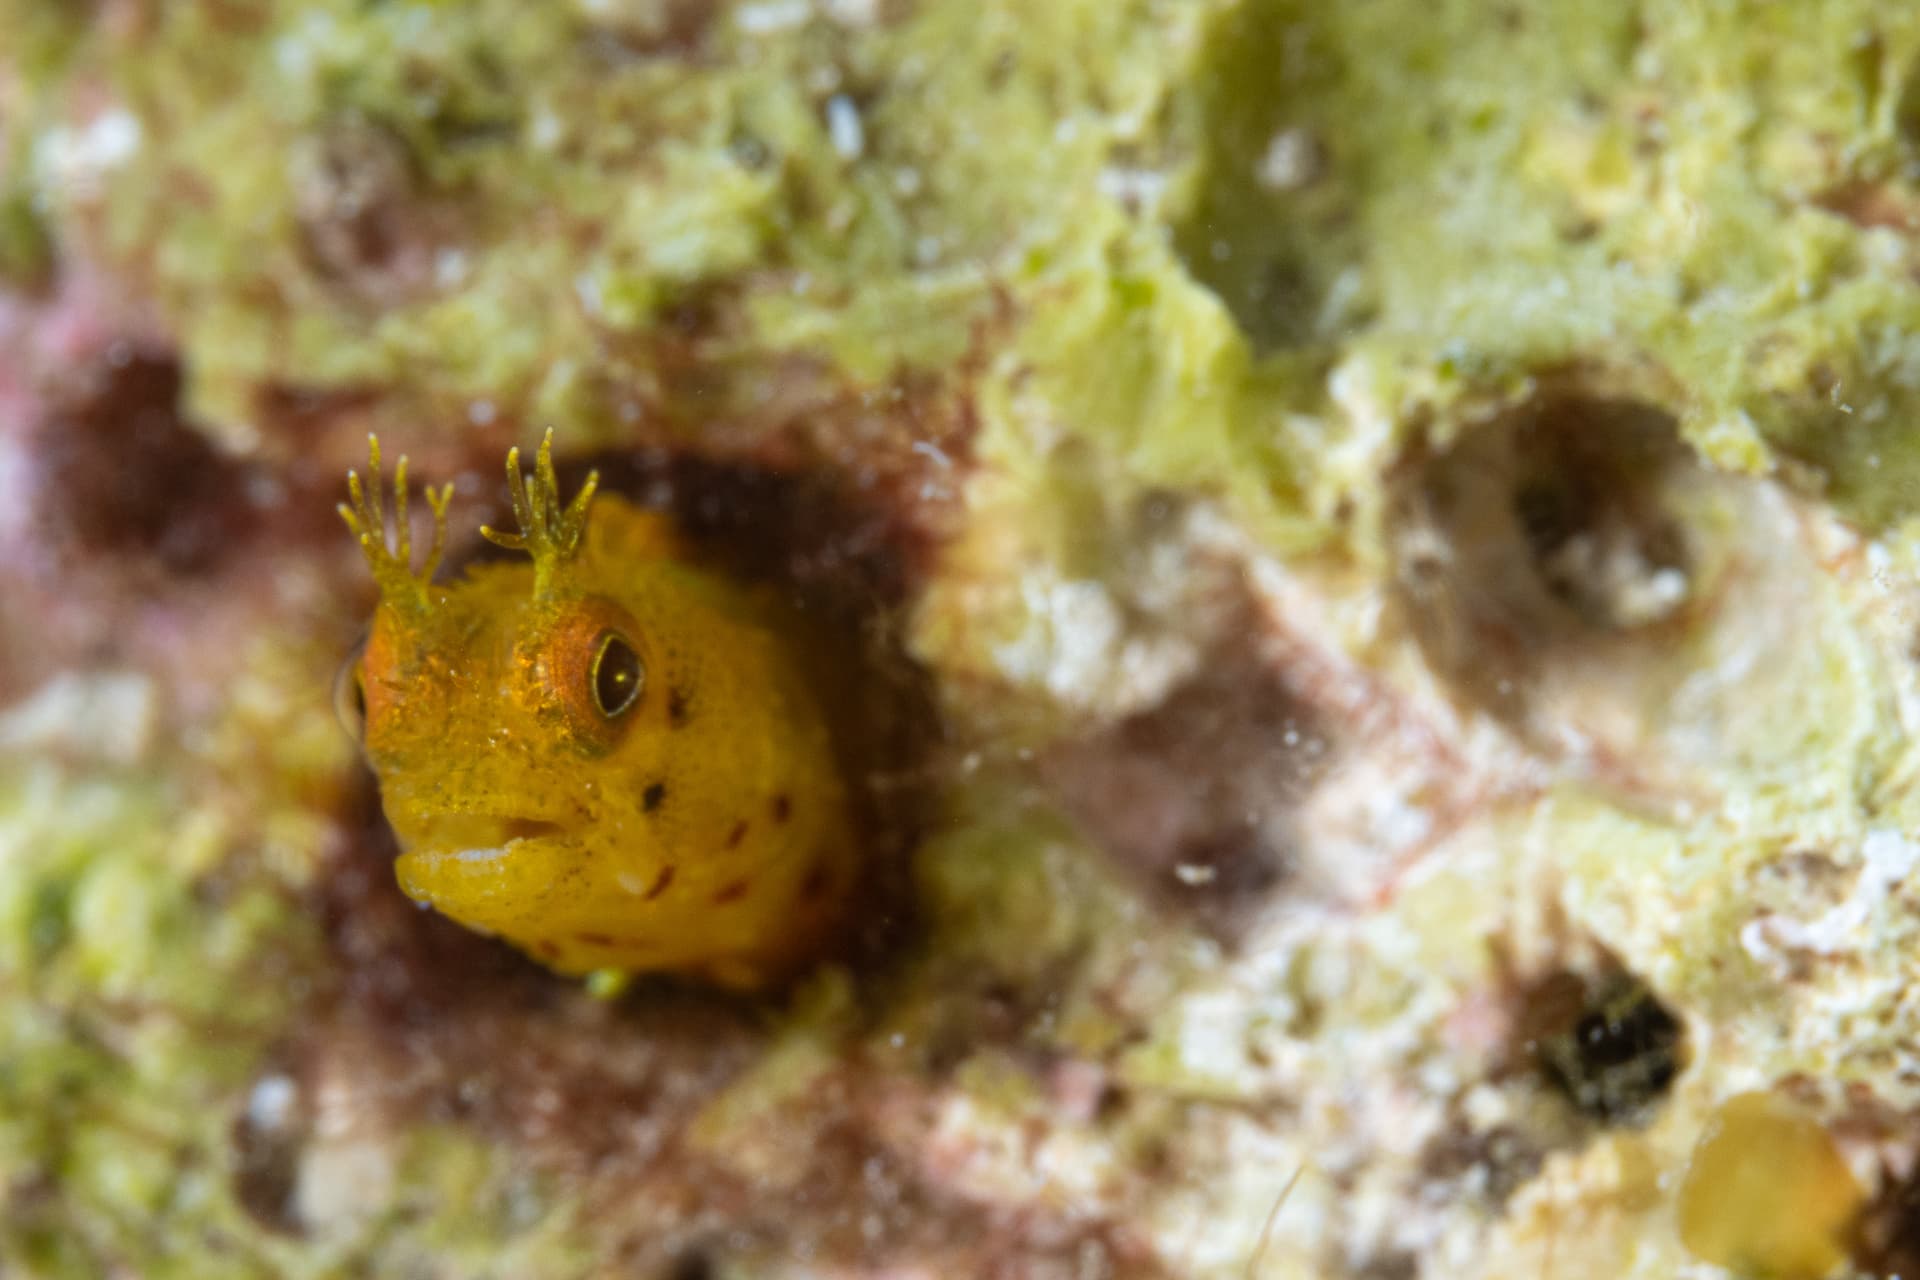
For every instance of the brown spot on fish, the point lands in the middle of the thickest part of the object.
(659, 885)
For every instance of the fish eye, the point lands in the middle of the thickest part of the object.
(616, 675)
(350, 697)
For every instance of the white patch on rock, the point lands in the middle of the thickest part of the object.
(342, 1183)
(270, 1104)
(1292, 160)
(77, 161)
(1887, 860)
(107, 716)
(845, 128)
(772, 16)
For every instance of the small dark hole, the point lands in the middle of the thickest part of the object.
(1613, 1052)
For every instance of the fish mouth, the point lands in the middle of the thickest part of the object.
(483, 870)
(472, 837)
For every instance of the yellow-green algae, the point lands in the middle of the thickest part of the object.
(154, 951)
(1245, 250)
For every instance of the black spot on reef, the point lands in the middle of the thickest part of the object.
(678, 712)
(1603, 1041)
(731, 893)
(1623, 1056)
(651, 798)
(595, 939)
(782, 808)
(739, 833)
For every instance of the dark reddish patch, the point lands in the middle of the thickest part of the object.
(659, 885)
(651, 798)
(596, 939)
(546, 950)
(739, 833)
(121, 472)
(1197, 795)
(782, 807)
(677, 709)
(772, 495)
(731, 893)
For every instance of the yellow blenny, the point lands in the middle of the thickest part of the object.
(609, 755)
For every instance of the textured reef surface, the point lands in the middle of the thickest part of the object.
(1382, 540)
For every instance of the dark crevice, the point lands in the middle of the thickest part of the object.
(1600, 1040)
(1550, 540)
(121, 473)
